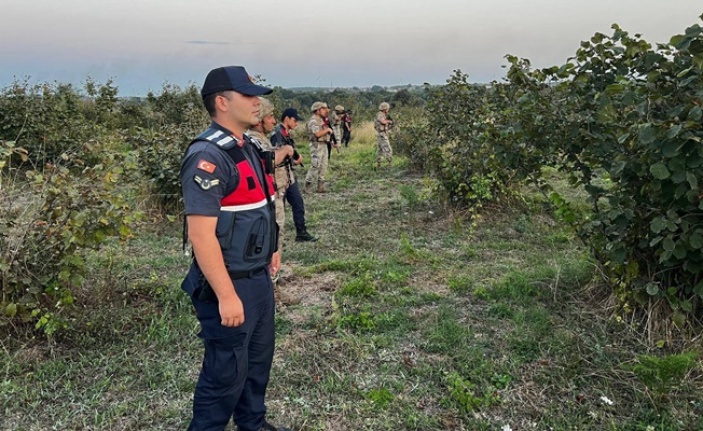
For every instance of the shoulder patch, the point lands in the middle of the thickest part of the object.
(206, 183)
(206, 166)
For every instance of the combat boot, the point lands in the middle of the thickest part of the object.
(321, 187)
(303, 235)
(307, 188)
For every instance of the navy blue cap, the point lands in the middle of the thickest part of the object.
(291, 113)
(233, 78)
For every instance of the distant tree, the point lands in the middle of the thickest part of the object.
(175, 104)
(403, 97)
(104, 102)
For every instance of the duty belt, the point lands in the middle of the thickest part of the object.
(207, 294)
(238, 275)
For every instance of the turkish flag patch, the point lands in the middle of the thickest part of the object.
(206, 166)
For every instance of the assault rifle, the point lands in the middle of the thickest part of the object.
(277, 141)
(392, 122)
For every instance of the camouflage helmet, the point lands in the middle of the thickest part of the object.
(384, 106)
(318, 105)
(339, 108)
(266, 108)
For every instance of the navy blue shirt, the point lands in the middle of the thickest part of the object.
(208, 174)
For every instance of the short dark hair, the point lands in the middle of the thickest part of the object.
(209, 101)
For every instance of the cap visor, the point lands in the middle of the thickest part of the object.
(253, 90)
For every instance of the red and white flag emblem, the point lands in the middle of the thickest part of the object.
(206, 166)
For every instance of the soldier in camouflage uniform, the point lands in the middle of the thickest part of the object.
(319, 135)
(336, 121)
(383, 124)
(267, 122)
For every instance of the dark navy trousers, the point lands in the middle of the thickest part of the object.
(295, 199)
(237, 362)
(346, 136)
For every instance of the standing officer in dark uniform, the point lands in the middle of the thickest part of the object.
(281, 136)
(224, 173)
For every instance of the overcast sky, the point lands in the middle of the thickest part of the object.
(142, 44)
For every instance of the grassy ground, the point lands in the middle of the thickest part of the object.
(410, 320)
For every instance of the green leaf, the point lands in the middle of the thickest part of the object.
(696, 46)
(698, 289)
(696, 241)
(659, 171)
(668, 244)
(674, 131)
(617, 168)
(671, 225)
(670, 148)
(678, 165)
(680, 251)
(623, 138)
(683, 72)
(11, 310)
(692, 180)
(614, 89)
(698, 60)
(692, 195)
(679, 319)
(681, 189)
(619, 255)
(657, 224)
(652, 289)
(598, 37)
(676, 39)
(647, 134)
(686, 305)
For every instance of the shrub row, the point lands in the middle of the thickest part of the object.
(622, 120)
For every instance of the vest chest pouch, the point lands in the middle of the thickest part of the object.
(246, 244)
(225, 229)
(258, 240)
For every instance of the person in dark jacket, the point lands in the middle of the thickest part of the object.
(225, 173)
(281, 136)
(346, 127)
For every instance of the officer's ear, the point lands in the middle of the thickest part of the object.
(222, 101)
